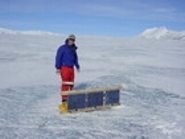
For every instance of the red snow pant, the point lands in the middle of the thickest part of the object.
(67, 75)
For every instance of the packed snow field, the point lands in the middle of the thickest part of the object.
(152, 72)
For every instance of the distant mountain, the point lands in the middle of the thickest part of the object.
(163, 33)
(153, 33)
(14, 32)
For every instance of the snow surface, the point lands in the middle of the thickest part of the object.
(152, 72)
(163, 33)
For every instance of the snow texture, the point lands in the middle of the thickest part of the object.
(152, 72)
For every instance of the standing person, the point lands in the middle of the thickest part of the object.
(66, 59)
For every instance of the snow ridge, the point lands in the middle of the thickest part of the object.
(163, 33)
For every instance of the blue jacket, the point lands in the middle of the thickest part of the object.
(67, 56)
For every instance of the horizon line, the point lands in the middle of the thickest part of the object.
(89, 35)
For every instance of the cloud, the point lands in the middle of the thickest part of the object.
(135, 11)
(105, 10)
(168, 14)
(38, 6)
(120, 9)
(165, 10)
(17, 23)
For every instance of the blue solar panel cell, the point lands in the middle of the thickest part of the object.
(76, 101)
(112, 97)
(95, 99)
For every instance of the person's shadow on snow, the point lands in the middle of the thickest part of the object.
(81, 86)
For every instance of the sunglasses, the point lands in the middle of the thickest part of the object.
(72, 40)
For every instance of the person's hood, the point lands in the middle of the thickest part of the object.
(73, 48)
(66, 42)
